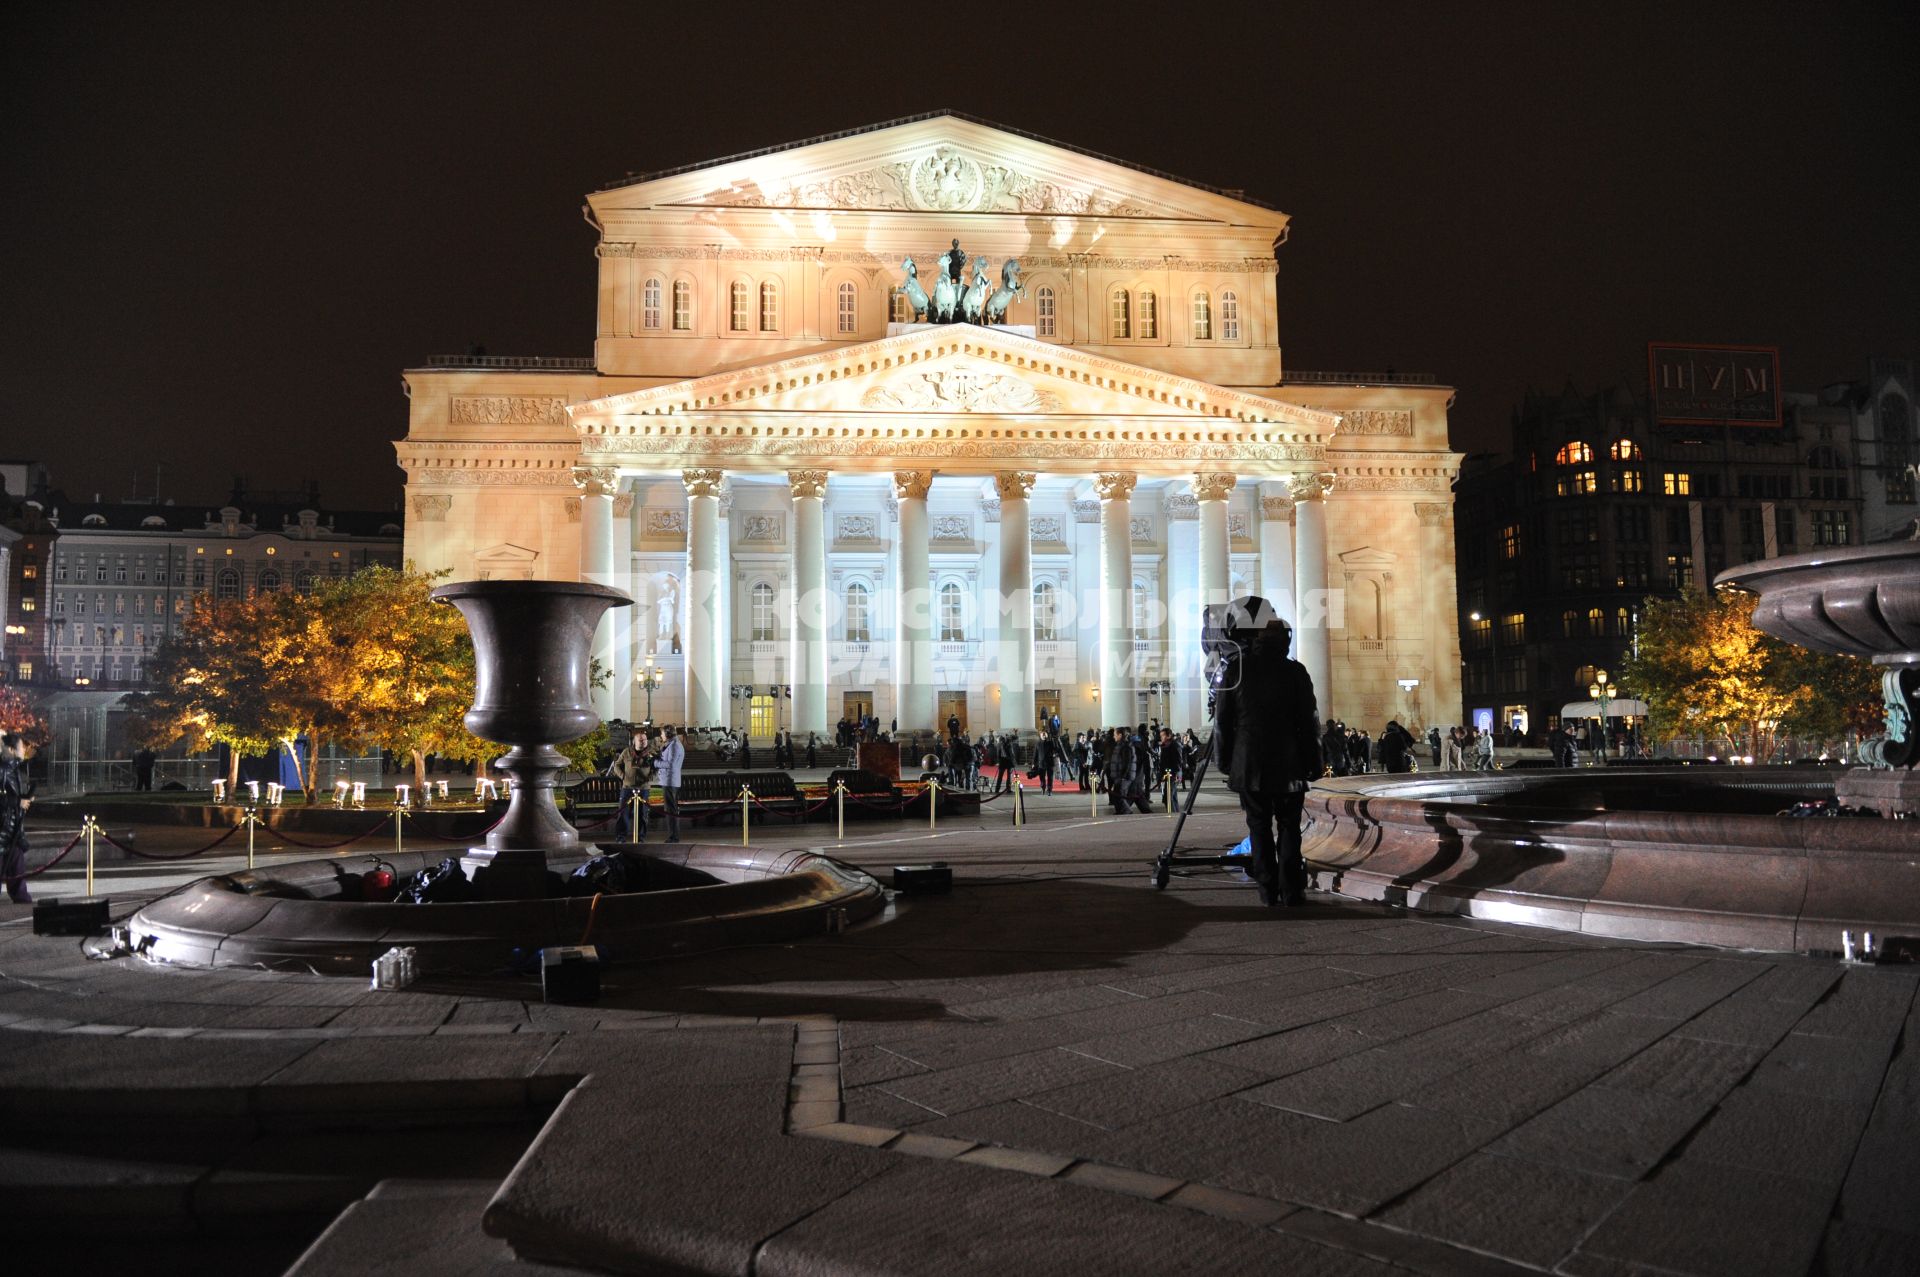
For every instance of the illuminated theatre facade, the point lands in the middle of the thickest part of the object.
(825, 508)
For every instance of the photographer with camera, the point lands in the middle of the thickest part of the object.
(1266, 737)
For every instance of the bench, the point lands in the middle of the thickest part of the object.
(594, 791)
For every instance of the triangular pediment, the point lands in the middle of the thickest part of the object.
(952, 369)
(938, 164)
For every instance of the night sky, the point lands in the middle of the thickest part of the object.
(228, 228)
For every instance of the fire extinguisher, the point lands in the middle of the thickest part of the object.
(377, 883)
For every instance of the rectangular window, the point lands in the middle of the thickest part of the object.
(1578, 484)
(737, 308)
(1679, 571)
(1202, 317)
(846, 315)
(650, 306)
(24, 671)
(1626, 481)
(120, 573)
(1513, 628)
(682, 306)
(1510, 541)
(1633, 569)
(1480, 634)
(1830, 527)
(1579, 528)
(1229, 317)
(1630, 523)
(1043, 313)
(1581, 569)
(1784, 529)
(28, 603)
(1122, 315)
(770, 309)
(1677, 483)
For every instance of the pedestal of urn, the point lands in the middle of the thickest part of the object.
(1863, 600)
(532, 645)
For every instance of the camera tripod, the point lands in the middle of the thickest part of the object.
(1164, 863)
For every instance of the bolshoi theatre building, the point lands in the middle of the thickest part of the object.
(995, 484)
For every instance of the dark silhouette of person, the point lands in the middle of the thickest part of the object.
(1267, 742)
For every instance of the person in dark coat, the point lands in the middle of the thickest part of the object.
(1045, 755)
(15, 798)
(1118, 769)
(1145, 778)
(1267, 743)
(1396, 748)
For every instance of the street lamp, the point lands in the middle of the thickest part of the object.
(650, 677)
(1601, 694)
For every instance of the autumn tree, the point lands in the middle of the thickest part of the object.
(209, 685)
(1703, 669)
(18, 714)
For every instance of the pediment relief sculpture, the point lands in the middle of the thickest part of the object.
(960, 390)
(943, 180)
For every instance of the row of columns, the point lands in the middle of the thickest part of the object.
(1293, 552)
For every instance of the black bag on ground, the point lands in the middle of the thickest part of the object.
(603, 874)
(445, 883)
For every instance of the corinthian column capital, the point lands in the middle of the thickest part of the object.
(595, 481)
(703, 483)
(1433, 514)
(1212, 486)
(911, 484)
(1114, 487)
(1277, 507)
(1011, 484)
(1311, 487)
(807, 483)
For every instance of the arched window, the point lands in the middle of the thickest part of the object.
(302, 583)
(737, 306)
(763, 628)
(952, 619)
(1122, 310)
(226, 584)
(1149, 315)
(650, 303)
(682, 306)
(859, 614)
(847, 314)
(1569, 619)
(1573, 454)
(1229, 315)
(899, 310)
(1045, 614)
(269, 579)
(1622, 622)
(1596, 622)
(1043, 320)
(1624, 450)
(1203, 316)
(769, 307)
(1138, 606)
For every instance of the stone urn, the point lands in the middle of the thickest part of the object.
(1863, 600)
(532, 645)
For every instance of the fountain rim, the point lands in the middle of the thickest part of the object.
(1747, 576)
(455, 590)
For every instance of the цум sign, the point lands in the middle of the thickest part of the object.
(1714, 385)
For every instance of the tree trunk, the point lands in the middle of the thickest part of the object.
(419, 773)
(233, 770)
(313, 767)
(293, 752)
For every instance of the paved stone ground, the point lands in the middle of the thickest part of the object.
(1054, 1068)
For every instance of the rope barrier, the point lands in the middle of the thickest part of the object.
(63, 854)
(329, 846)
(150, 855)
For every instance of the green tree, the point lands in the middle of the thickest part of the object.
(210, 685)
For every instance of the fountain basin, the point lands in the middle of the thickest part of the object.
(1863, 600)
(304, 915)
(1505, 847)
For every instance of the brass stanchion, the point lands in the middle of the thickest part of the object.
(933, 803)
(400, 815)
(88, 827)
(746, 797)
(633, 818)
(840, 810)
(252, 819)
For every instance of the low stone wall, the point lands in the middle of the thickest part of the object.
(1498, 847)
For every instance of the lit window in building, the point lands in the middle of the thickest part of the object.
(1510, 541)
(1632, 479)
(1679, 571)
(1568, 620)
(24, 671)
(952, 616)
(763, 626)
(650, 304)
(1043, 313)
(1830, 527)
(769, 307)
(1045, 613)
(682, 306)
(1203, 316)
(1624, 450)
(1122, 315)
(846, 311)
(1596, 622)
(760, 716)
(1574, 454)
(1229, 315)
(859, 614)
(1677, 483)
(1513, 627)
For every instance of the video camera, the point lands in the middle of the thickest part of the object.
(1227, 633)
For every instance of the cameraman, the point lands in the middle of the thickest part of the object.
(16, 795)
(1267, 741)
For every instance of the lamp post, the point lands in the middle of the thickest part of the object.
(650, 676)
(1601, 694)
